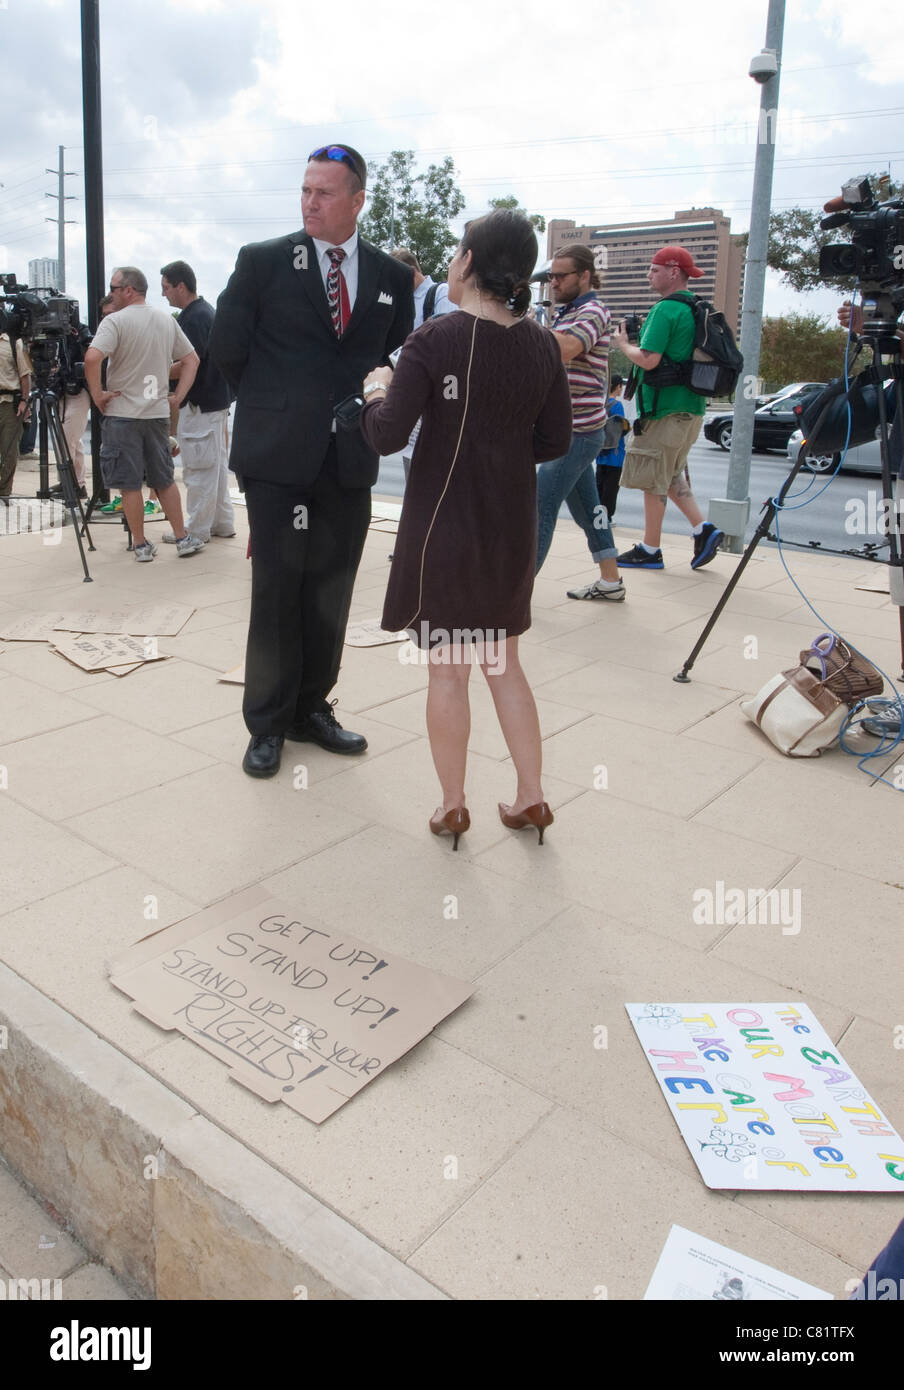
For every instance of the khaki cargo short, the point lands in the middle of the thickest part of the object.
(655, 459)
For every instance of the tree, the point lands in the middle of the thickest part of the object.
(414, 210)
(795, 240)
(537, 221)
(800, 347)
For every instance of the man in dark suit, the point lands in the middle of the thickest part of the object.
(302, 321)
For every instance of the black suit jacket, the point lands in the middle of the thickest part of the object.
(274, 342)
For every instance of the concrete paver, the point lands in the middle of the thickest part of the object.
(34, 1248)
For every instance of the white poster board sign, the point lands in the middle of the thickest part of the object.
(765, 1101)
(692, 1268)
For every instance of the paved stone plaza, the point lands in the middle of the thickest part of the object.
(569, 1171)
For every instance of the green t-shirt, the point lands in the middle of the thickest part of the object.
(669, 329)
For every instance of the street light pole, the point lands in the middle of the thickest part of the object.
(730, 513)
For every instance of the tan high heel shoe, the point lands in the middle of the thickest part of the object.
(452, 823)
(539, 816)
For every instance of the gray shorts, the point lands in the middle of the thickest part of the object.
(133, 452)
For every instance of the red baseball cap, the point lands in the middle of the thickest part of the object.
(682, 258)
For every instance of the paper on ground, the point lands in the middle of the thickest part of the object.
(234, 677)
(300, 1012)
(385, 511)
(765, 1101)
(369, 633)
(692, 1268)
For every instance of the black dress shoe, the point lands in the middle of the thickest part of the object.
(323, 727)
(262, 755)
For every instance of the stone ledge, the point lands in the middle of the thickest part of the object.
(87, 1128)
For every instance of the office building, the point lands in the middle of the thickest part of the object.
(44, 274)
(629, 246)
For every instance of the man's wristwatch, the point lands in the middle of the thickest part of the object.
(374, 386)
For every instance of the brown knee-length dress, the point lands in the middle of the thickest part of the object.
(466, 549)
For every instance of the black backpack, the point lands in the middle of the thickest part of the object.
(716, 364)
(429, 302)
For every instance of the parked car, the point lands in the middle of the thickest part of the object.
(773, 424)
(865, 458)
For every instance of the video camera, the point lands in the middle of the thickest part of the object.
(874, 254)
(45, 324)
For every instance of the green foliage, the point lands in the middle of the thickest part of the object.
(414, 210)
(536, 219)
(795, 239)
(800, 347)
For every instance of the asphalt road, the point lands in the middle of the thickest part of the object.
(832, 514)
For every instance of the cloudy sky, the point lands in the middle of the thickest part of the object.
(601, 112)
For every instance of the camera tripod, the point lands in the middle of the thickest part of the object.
(43, 354)
(880, 334)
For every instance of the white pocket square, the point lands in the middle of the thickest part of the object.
(384, 298)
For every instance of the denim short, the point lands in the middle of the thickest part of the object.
(133, 452)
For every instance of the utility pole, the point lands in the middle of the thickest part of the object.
(730, 513)
(94, 199)
(61, 220)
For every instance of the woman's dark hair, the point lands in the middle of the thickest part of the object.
(504, 251)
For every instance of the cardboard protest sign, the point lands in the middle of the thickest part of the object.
(32, 627)
(300, 1013)
(692, 1268)
(98, 651)
(160, 619)
(369, 633)
(765, 1102)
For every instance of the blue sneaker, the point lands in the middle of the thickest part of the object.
(706, 545)
(639, 559)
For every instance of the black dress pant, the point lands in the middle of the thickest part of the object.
(608, 481)
(306, 546)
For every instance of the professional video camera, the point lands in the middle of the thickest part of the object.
(43, 324)
(874, 253)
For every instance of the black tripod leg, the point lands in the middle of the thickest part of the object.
(761, 531)
(66, 474)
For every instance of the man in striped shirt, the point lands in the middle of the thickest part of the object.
(581, 329)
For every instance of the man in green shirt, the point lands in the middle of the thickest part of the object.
(672, 416)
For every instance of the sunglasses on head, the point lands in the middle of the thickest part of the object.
(340, 154)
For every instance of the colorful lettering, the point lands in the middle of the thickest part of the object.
(689, 1082)
(721, 1117)
(799, 1092)
(744, 1018)
(676, 1059)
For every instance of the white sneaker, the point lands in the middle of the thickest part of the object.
(170, 539)
(189, 545)
(614, 590)
(145, 553)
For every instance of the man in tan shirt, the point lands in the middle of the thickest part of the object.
(15, 384)
(141, 344)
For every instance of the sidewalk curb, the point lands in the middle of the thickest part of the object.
(155, 1190)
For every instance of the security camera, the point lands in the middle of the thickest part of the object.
(763, 65)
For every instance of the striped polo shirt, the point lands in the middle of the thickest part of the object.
(588, 374)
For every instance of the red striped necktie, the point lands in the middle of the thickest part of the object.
(337, 291)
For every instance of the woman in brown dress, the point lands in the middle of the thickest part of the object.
(492, 393)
